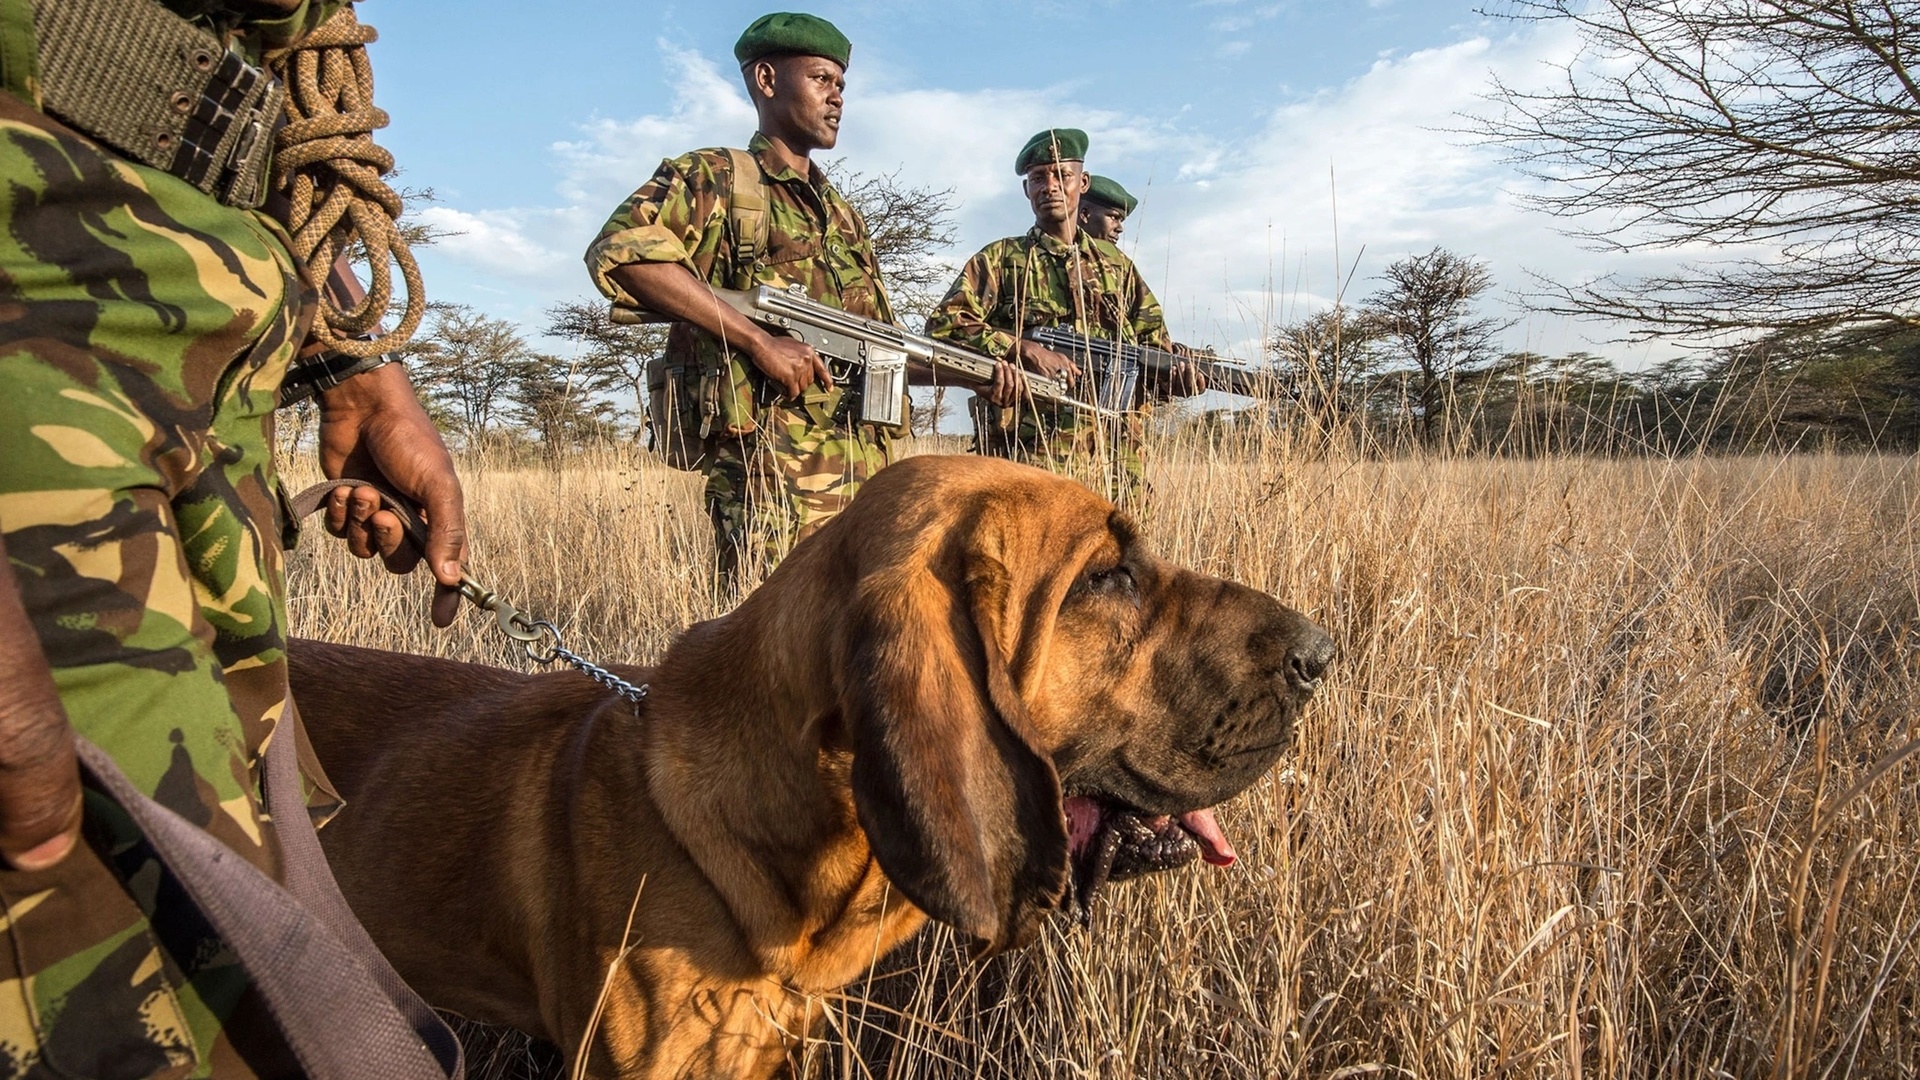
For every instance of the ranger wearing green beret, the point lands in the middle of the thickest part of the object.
(1057, 274)
(764, 414)
(1105, 208)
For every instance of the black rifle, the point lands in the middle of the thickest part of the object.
(1117, 366)
(875, 354)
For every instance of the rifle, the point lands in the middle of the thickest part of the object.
(1119, 365)
(873, 353)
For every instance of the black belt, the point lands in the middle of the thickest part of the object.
(160, 91)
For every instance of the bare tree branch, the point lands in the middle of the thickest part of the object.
(1683, 124)
(909, 227)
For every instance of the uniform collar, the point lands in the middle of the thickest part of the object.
(1051, 245)
(759, 146)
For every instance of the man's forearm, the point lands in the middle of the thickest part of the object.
(673, 291)
(970, 330)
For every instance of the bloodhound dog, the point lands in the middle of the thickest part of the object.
(971, 688)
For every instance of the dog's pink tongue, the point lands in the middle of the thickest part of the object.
(1213, 843)
(1083, 820)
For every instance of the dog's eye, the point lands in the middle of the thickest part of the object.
(1117, 581)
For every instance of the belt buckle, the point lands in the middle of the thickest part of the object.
(224, 140)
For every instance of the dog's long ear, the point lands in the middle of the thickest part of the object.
(960, 804)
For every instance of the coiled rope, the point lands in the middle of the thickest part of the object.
(326, 162)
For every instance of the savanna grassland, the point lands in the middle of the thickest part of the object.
(1612, 778)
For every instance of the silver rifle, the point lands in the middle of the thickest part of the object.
(875, 354)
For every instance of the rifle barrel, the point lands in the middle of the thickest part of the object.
(1235, 378)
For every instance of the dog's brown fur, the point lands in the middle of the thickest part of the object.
(883, 729)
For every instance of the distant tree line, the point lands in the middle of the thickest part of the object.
(1416, 364)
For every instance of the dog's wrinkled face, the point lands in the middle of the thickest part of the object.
(1036, 700)
(1165, 693)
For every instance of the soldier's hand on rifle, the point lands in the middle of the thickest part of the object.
(39, 775)
(1009, 385)
(1038, 357)
(1186, 380)
(793, 365)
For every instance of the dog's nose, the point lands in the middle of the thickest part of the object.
(1292, 648)
(1308, 657)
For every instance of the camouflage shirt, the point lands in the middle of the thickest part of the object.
(1022, 282)
(815, 239)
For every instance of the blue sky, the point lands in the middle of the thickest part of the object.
(1237, 121)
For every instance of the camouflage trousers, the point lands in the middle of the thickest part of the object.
(1102, 454)
(144, 331)
(769, 490)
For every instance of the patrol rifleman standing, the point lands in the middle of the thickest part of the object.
(1105, 208)
(779, 454)
(1057, 274)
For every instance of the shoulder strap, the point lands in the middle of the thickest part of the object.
(344, 1012)
(747, 211)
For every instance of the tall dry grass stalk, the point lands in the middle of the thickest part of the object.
(1606, 783)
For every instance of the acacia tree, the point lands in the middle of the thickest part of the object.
(909, 227)
(553, 400)
(1787, 124)
(1329, 356)
(1423, 316)
(467, 365)
(613, 356)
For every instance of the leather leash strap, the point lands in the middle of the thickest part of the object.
(344, 1011)
(310, 499)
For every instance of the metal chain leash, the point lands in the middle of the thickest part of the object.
(530, 632)
(556, 651)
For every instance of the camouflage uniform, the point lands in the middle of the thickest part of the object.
(144, 331)
(776, 469)
(1024, 282)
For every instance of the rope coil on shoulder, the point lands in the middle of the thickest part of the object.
(327, 164)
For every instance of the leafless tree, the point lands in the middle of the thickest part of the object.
(1786, 124)
(1424, 317)
(910, 227)
(613, 356)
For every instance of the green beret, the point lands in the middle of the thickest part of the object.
(1107, 190)
(790, 32)
(1051, 145)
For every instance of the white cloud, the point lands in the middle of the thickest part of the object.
(1255, 242)
(498, 241)
(612, 156)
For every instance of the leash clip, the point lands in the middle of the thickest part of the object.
(513, 622)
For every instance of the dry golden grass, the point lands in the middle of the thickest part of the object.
(1608, 780)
